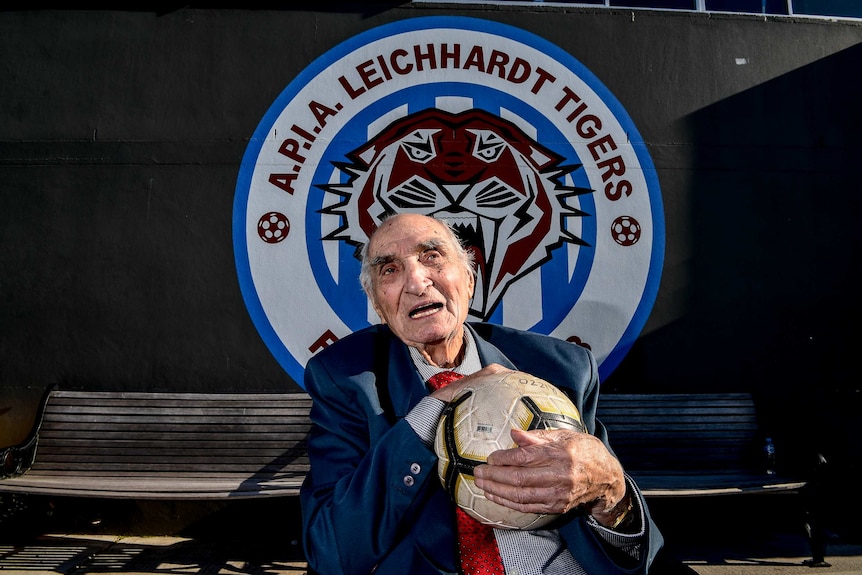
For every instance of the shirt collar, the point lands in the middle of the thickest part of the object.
(470, 363)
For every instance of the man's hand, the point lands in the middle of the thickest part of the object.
(554, 471)
(448, 393)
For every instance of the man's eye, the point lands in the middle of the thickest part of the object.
(431, 256)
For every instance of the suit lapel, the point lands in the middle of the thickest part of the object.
(404, 384)
(488, 353)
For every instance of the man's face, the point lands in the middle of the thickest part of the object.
(421, 289)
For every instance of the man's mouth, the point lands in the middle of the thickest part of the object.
(425, 310)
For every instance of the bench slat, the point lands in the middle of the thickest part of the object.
(200, 486)
(177, 430)
(170, 468)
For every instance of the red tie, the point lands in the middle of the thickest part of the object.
(476, 542)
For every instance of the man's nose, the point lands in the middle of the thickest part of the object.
(418, 278)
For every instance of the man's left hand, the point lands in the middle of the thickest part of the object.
(554, 471)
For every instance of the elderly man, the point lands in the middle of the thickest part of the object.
(372, 501)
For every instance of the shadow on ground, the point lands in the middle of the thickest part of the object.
(262, 536)
(747, 530)
(79, 536)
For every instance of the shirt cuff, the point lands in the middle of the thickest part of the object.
(423, 418)
(626, 540)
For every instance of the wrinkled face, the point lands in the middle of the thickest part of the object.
(421, 289)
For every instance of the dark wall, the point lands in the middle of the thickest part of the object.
(122, 133)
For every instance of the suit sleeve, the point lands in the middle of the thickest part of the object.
(369, 477)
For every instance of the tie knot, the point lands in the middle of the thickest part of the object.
(442, 379)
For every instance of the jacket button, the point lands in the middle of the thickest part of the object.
(408, 480)
(415, 468)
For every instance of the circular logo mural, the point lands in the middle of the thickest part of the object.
(499, 132)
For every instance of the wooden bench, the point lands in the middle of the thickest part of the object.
(215, 446)
(198, 446)
(162, 446)
(697, 445)
(678, 445)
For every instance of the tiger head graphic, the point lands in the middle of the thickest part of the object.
(500, 189)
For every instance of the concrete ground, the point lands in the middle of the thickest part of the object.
(712, 536)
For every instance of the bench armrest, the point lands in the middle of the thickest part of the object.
(17, 459)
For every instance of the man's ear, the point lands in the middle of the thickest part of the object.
(377, 311)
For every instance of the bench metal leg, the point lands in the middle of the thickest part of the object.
(814, 528)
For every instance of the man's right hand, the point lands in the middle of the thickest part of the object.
(448, 393)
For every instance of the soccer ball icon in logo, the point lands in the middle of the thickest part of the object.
(479, 420)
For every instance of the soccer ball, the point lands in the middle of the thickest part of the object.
(478, 421)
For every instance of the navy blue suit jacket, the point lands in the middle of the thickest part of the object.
(372, 500)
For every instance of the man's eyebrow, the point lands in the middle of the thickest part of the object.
(383, 259)
(378, 261)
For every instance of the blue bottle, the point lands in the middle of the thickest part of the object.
(769, 456)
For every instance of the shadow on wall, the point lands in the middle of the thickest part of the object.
(774, 192)
(772, 307)
(18, 409)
